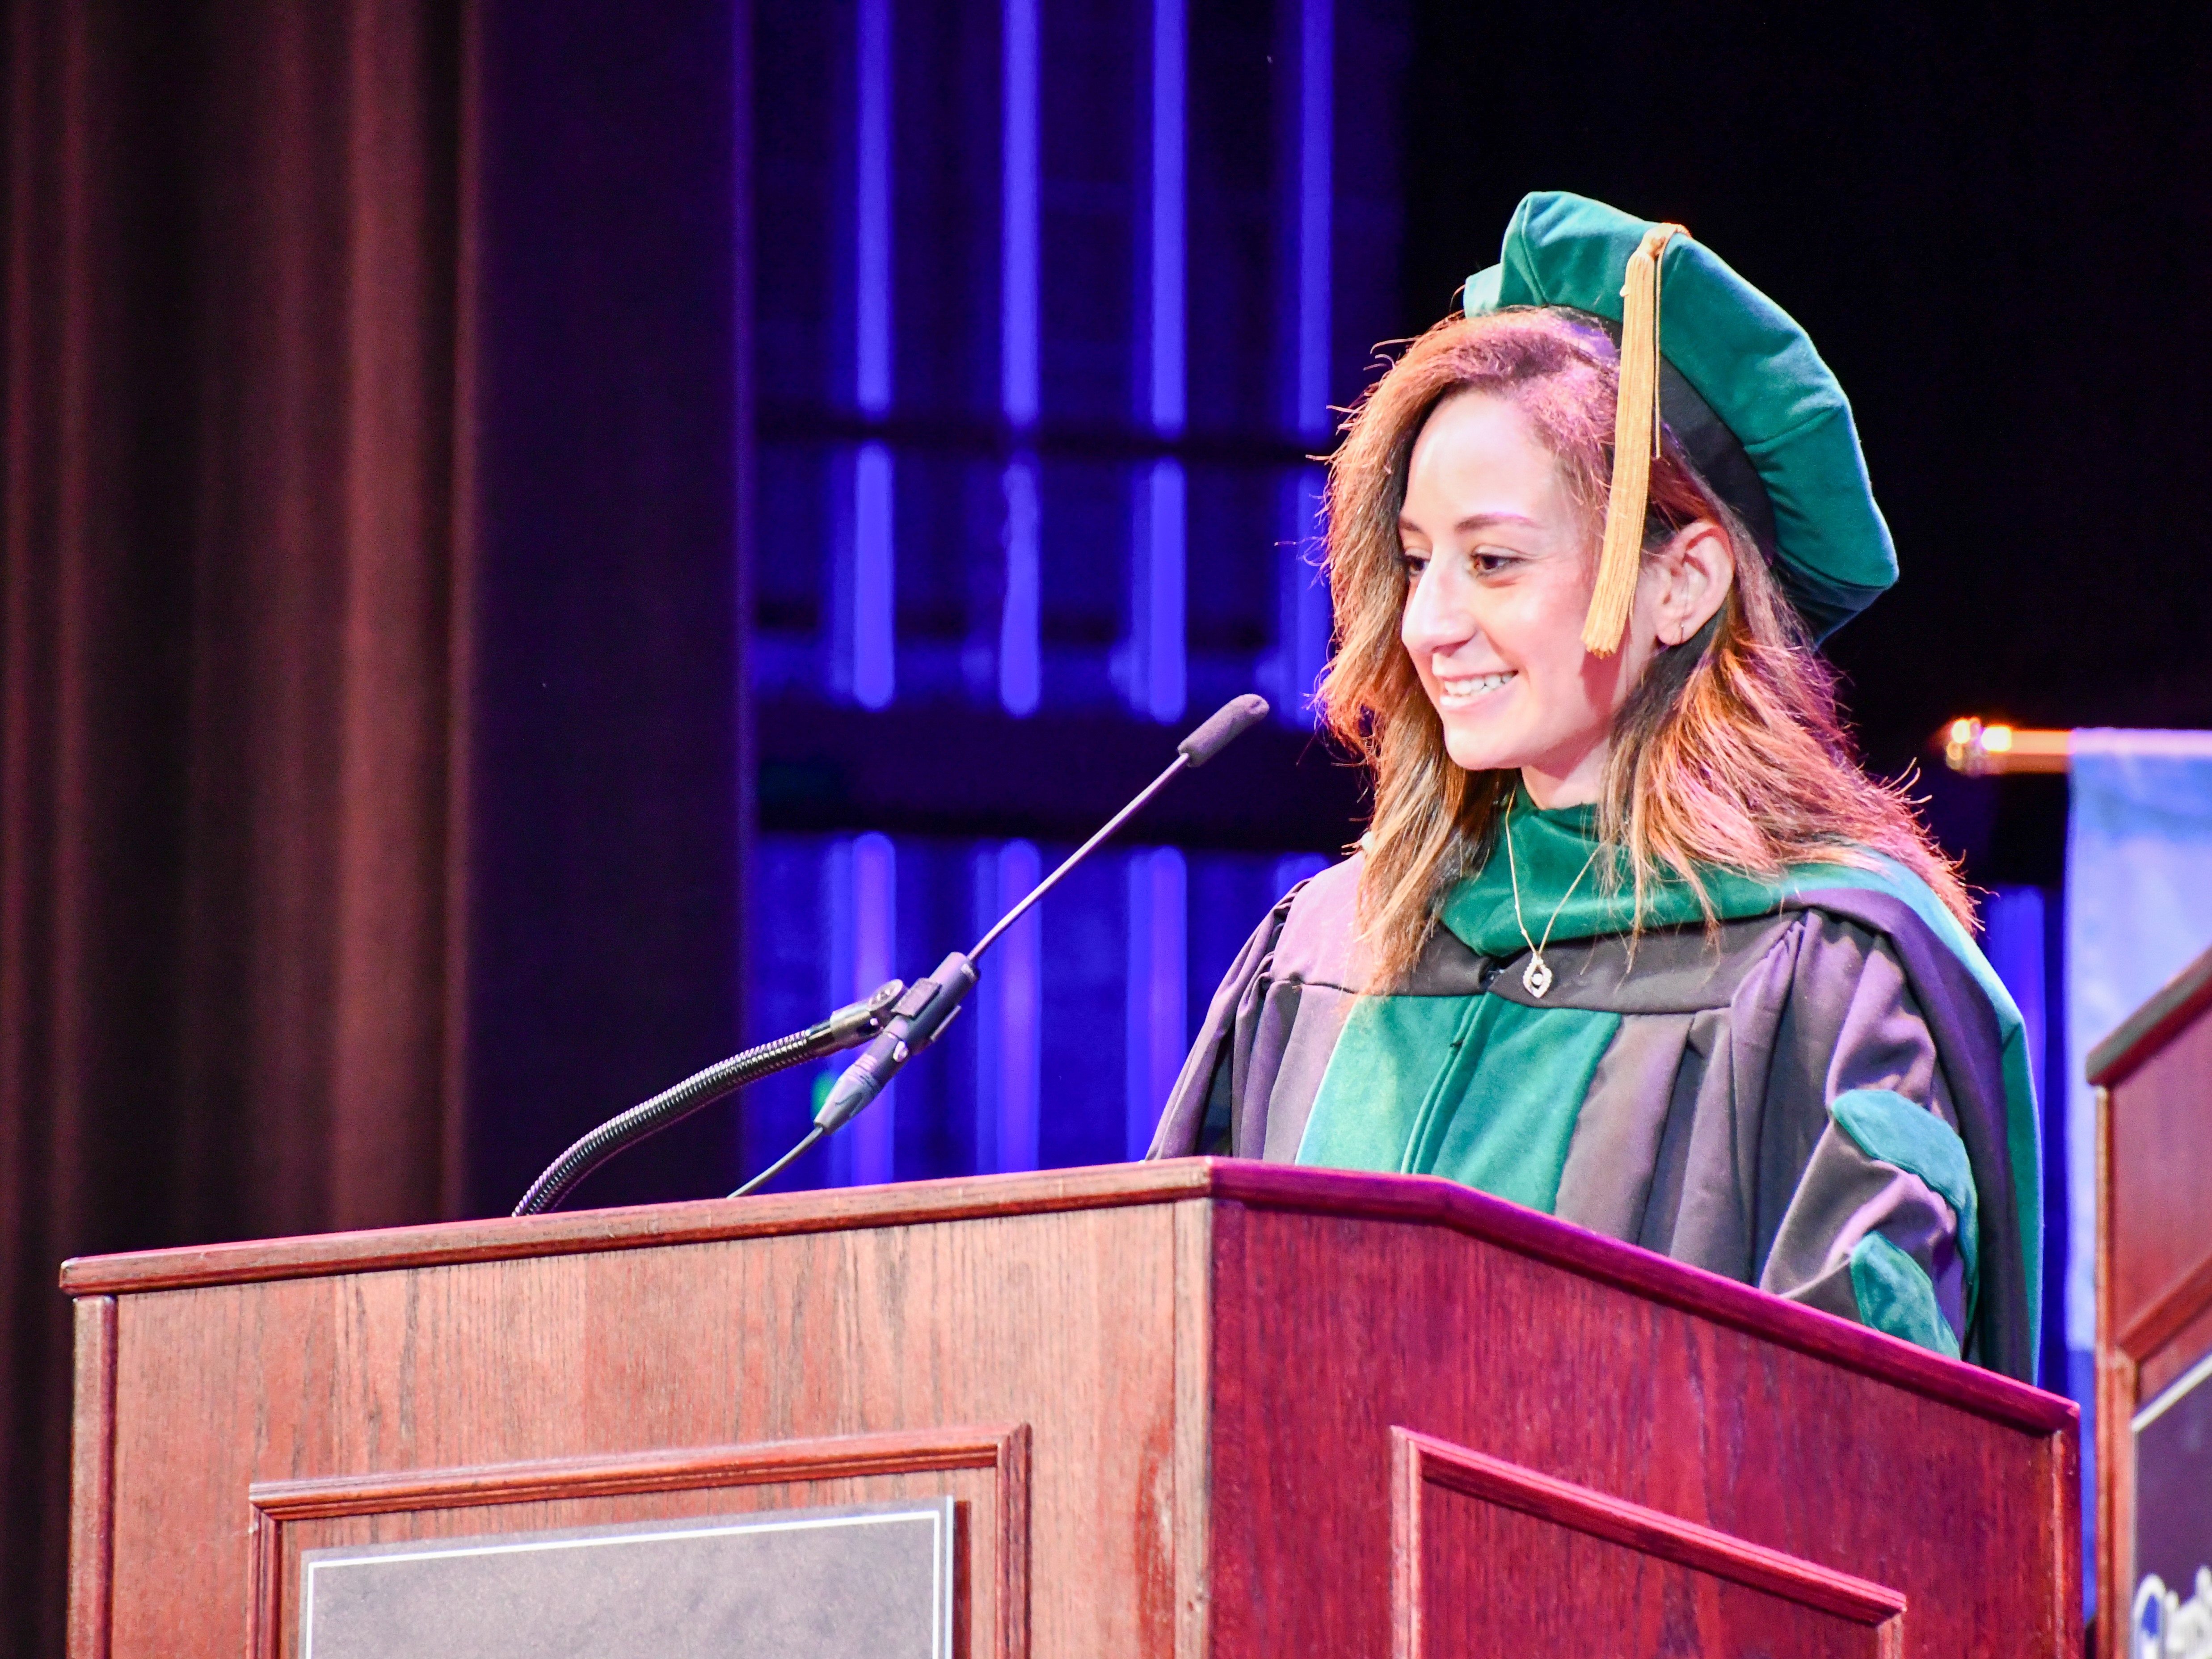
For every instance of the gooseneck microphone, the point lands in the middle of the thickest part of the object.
(921, 1016)
(902, 1019)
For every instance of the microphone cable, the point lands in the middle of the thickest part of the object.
(850, 1025)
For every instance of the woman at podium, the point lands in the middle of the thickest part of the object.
(1631, 938)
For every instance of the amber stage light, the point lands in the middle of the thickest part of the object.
(1979, 749)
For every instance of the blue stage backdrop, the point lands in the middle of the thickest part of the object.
(1053, 305)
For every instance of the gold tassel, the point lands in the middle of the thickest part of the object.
(1636, 433)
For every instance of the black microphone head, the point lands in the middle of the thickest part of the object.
(1230, 722)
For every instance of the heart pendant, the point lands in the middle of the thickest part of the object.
(1537, 976)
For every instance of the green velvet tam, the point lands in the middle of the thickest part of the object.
(1741, 388)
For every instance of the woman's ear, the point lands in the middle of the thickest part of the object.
(1689, 579)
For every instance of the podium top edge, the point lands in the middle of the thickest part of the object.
(1404, 1200)
(640, 1226)
(2145, 1031)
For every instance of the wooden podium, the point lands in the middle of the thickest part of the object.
(1196, 1407)
(2153, 1082)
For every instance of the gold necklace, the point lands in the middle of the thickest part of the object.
(1537, 975)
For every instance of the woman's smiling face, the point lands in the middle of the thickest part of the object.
(1500, 561)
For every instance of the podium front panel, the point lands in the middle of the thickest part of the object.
(1023, 1365)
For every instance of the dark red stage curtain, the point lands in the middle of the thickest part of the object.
(232, 653)
(370, 709)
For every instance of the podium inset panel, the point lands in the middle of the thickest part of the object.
(1591, 1573)
(816, 1584)
(907, 1546)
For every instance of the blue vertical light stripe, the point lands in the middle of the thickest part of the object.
(1156, 679)
(1018, 231)
(872, 862)
(1302, 595)
(1159, 888)
(1008, 999)
(1017, 963)
(1160, 592)
(873, 648)
(983, 1010)
(871, 342)
(2013, 938)
(1168, 74)
(874, 578)
(1021, 668)
(1137, 1003)
(838, 937)
(1316, 113)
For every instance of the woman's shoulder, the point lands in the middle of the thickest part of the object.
(1883, 895)
(1864, 883)
(1318, 942)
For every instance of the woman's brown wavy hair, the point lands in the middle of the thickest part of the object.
(1729, 753)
